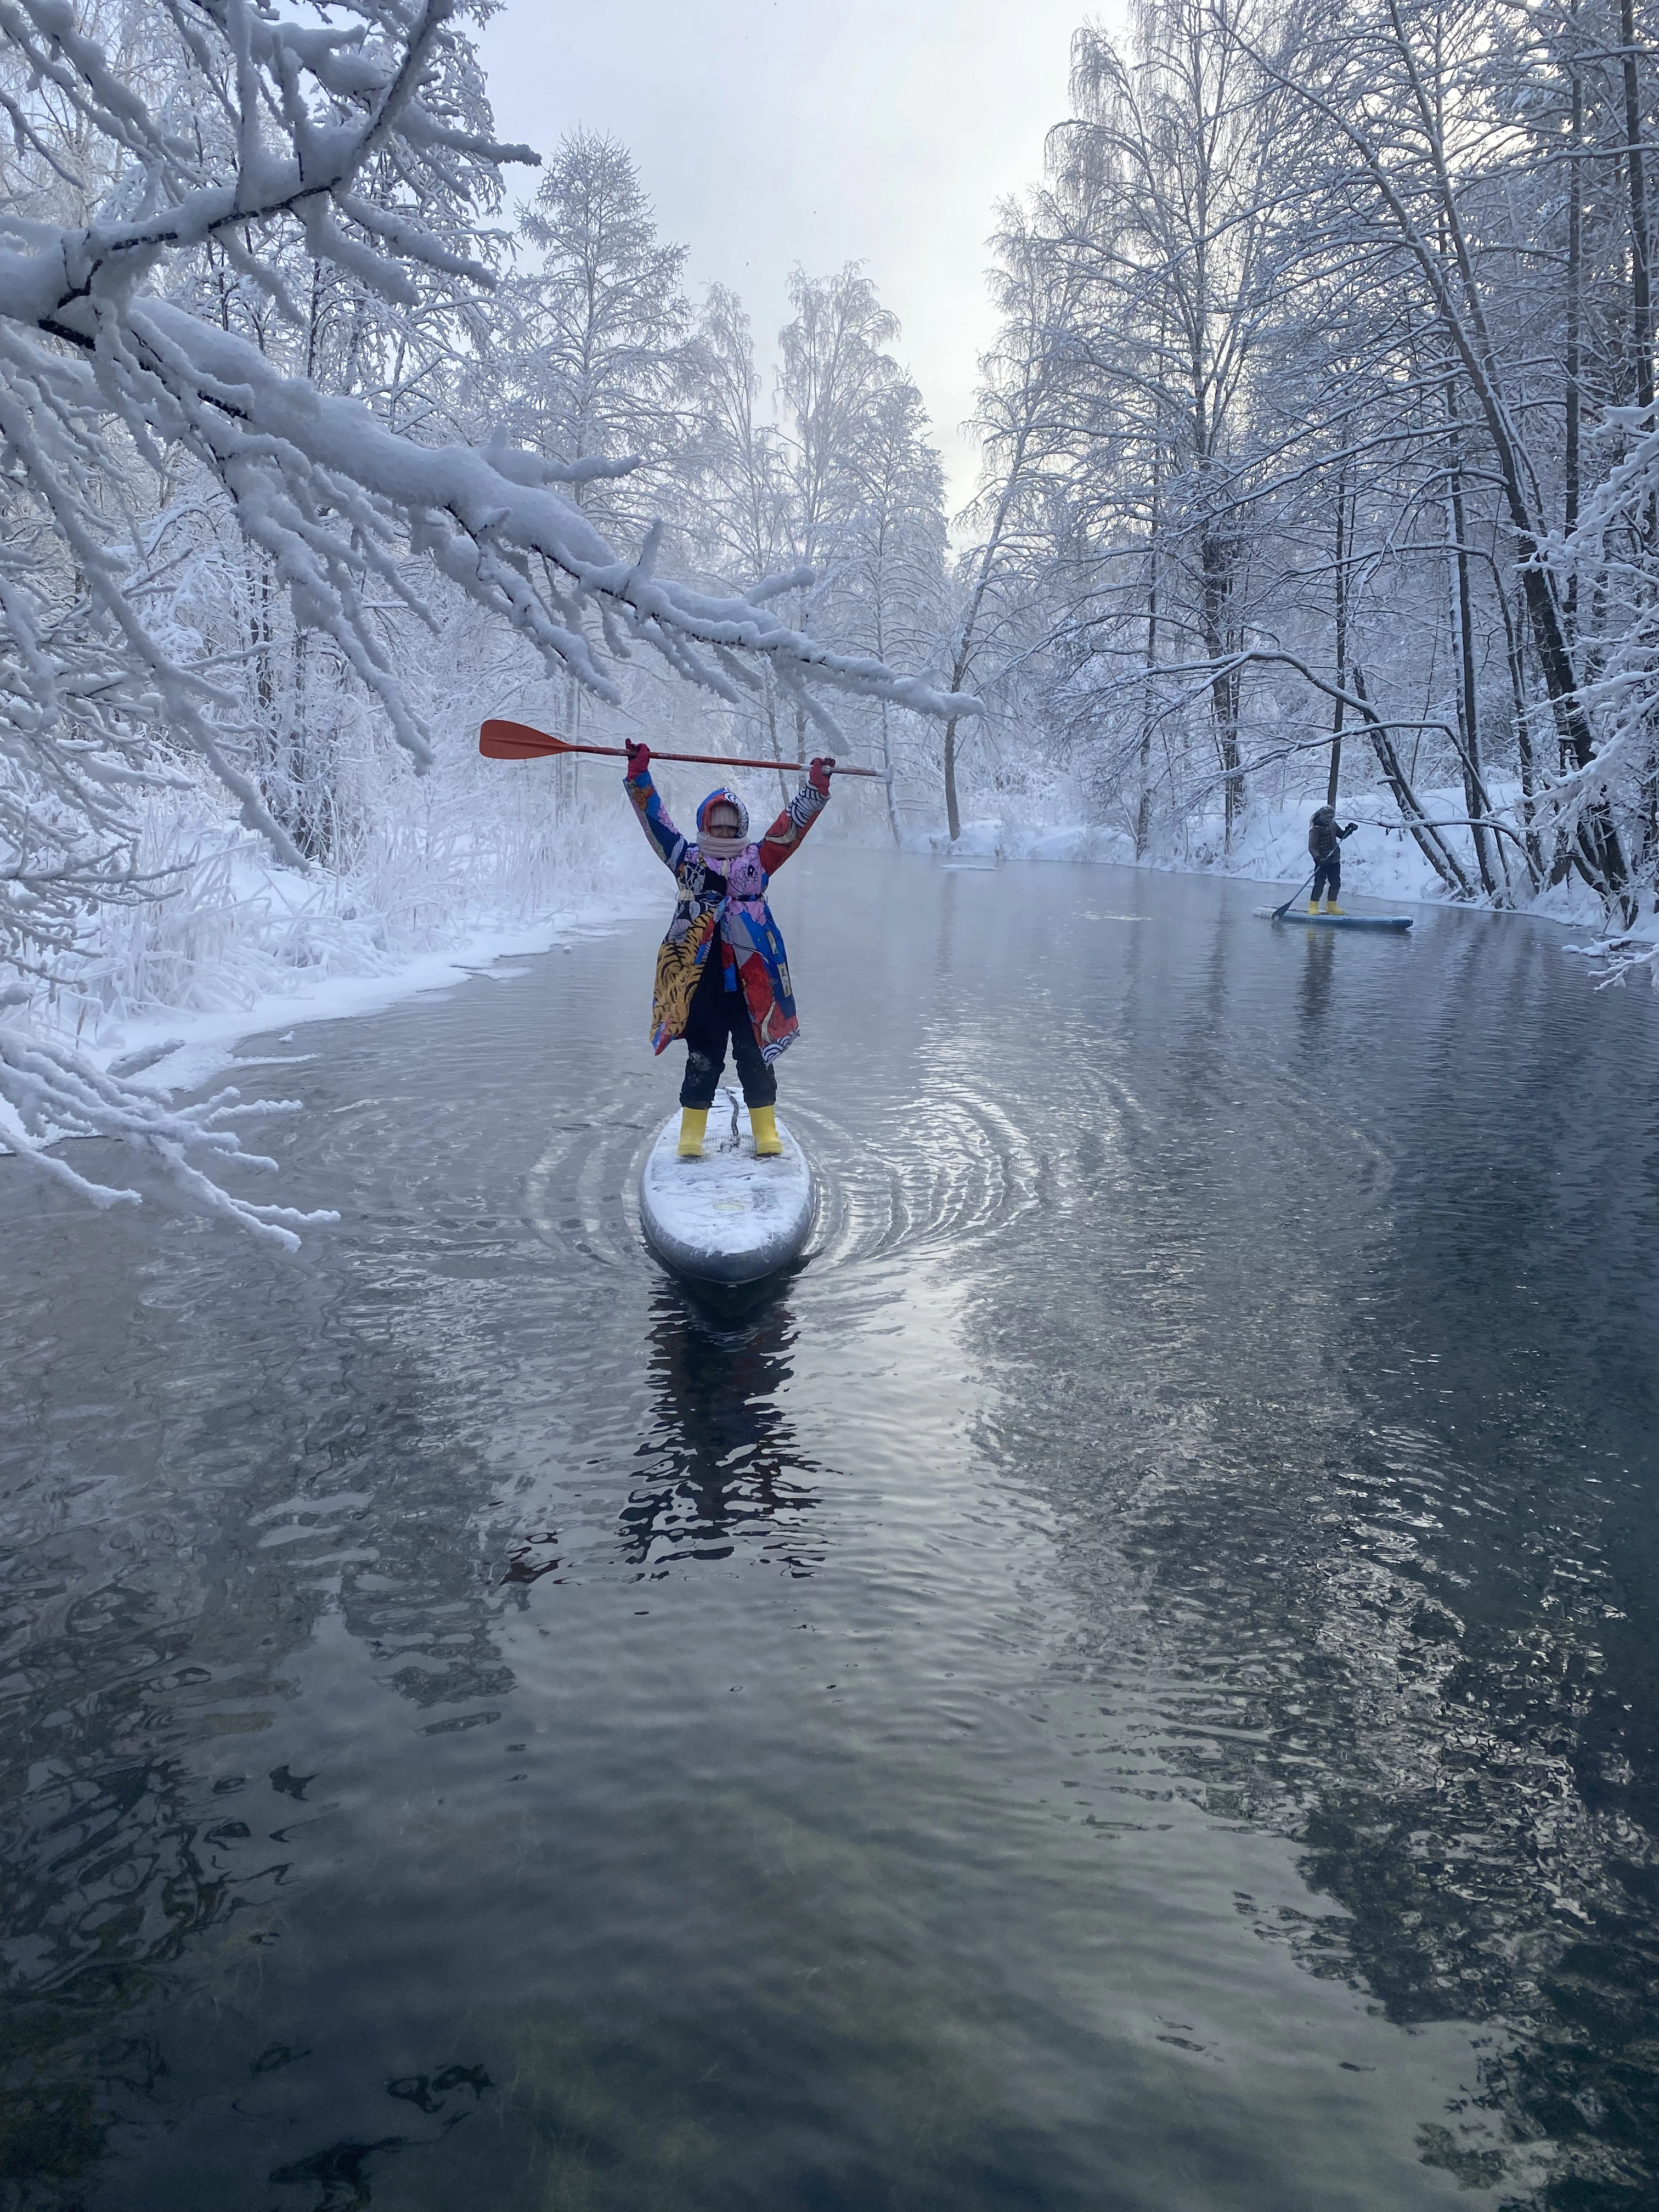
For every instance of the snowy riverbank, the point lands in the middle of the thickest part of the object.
(240, 944)
(181, 1052)
(1381, 861)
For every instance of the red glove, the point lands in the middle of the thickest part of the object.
(639, 757)
(819, 774)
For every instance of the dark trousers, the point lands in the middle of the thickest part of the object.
(1327, 871)
(716, 1015)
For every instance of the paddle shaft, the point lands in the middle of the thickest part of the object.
(1292, 899)
(499, 740)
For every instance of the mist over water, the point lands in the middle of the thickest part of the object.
(1126, 1680)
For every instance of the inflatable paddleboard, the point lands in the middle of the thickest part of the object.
(727, 1218)
(1394, 921)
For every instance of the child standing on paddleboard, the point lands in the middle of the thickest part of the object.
(1325, 847)
(722, 973)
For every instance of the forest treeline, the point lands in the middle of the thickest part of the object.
(1318, 449)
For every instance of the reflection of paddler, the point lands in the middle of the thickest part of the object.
(722, 973)
(722, 1450)
(1318, 974)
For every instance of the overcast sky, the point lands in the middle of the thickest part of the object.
(877, 130)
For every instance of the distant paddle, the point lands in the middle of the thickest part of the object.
(517, 741)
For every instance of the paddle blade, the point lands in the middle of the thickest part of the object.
(517, 741)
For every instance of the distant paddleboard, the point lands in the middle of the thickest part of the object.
(1394, 921)
(727, 1218)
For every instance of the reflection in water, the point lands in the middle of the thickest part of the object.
(722, 1461)
(1359, 1515)
(1337, 1665)
(1213, 1436)
(167, 1568)
(1313, 998)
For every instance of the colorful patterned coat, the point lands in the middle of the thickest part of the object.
(724, 902)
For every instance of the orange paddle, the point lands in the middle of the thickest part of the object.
(517, 741)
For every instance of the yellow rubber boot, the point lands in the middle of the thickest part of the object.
(1313, 906)
(762, 1119)
(694, 1120)
(1331, 907)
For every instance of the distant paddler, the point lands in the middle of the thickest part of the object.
(722, 972)
(1325, 845)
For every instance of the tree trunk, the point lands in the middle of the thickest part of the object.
(964, 652)
(1144, 802)
(1476, 805)
(1342, 497)
(1215, 556)
(1439, 856)
(1641, 300)
(1524, 744)
(887, 769)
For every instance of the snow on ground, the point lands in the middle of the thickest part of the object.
(181, 1052)
(241, 945)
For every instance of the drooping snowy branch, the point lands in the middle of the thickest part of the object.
(54, 1092)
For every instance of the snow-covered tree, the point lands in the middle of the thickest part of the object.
(1027, 415)
(603, 360)
(894, 598)
(1351, 358)
(858, 471)
(1174, 178)
(837, 479)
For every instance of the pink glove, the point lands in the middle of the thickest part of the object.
(819, 774)
(639, 757)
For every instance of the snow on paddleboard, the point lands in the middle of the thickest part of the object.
(727, 1218)
(1394, 921)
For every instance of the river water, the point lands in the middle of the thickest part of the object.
(1126, 1681)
